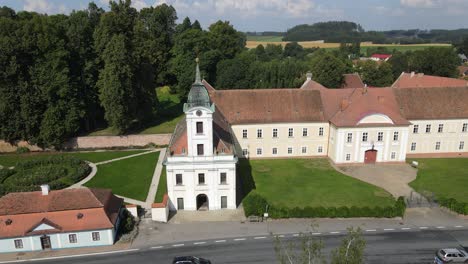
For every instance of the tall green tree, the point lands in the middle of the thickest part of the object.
(327, 69)
(351, 249)
(375, 74)
(439, 61)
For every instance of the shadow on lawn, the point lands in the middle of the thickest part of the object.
(244, 179)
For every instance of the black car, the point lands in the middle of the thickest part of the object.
(190, 260)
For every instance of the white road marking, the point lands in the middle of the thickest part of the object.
(239, 239)
(389, 229)
(371, 230)
(296, 235)
(178, 245)
(423, 227)
(73, 256)
(316, 233)
(259, 237)
(199, 243)
(156, 247)
(440, 227)
(220, 241)
(405, 228)
(334, 232)
(281, 236)
(458, 226)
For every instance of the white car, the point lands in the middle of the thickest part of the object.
(451, 255)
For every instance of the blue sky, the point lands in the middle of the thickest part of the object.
(279, 15)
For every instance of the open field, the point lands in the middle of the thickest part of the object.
(315, 44)
(311, 182)
(169, 113)
(9, 160)
(129, 177)
(265, 38)
(446, 178)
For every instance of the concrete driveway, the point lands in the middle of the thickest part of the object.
(393, 178)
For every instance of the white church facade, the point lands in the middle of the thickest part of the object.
(418, 115)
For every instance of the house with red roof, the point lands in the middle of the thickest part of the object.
(380, 57)
(418, 116)
(69, 218)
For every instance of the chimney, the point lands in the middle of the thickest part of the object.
(412, 74)
(45, 189)
(344, 104)
(308, 76)
(364, 91)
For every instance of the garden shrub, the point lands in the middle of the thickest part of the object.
(454, 205)
(127, 222)
(255, 204)
(22, 150)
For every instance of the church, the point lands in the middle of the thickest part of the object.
(418, 116)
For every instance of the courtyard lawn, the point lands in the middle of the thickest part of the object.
(446, 178)
(162, 187)
(129, 177)
(311, 182)
(8, 160)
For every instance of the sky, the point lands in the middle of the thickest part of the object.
(279, 15)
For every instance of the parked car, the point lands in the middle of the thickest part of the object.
(190, 260)
(451, 255)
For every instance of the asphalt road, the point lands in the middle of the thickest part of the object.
(390, 247)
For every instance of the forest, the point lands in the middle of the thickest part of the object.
(67, 75)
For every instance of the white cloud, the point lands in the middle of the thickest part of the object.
(44, 6)
(448, 4)
(139, 4)
(418, 3)
(243, 8)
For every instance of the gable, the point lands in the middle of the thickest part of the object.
(376, 119)
(42, 226)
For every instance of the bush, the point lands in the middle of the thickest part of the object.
(255, 204)
(127, 222)
(22, 150)
(454, 205)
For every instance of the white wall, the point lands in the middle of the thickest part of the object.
(205, 138)
(312, 141)
(449, 138)
(357, 147)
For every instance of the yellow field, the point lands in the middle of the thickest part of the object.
(317, 44)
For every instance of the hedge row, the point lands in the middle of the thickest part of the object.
(255, 204)
(454, 205)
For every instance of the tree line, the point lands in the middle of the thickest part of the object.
(339, 31)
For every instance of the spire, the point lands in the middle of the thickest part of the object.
(197, 74)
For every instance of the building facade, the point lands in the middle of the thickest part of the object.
(201, 164)
(70, 218)
(417, 115)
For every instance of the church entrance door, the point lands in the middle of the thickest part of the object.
(202, 202)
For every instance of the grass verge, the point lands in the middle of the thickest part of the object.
(162, 187)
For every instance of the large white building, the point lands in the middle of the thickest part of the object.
(418, 115)
(201, 165)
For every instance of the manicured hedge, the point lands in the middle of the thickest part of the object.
(57, 171)
(255, 204)
(454, 205)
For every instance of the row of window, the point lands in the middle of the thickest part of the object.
(72, 238)
(180, 203)
(305, 132)
(392, 156)
(440, 129)
(274, 151)
(461, 145)
(365, 137)
(201, 178)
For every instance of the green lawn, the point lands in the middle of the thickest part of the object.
(162, 187)
(311, 182)
(8, 160)
(444, 177)
(169, 113)
(265, 38)
(129, 177)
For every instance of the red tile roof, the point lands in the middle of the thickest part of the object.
(352, 80)
(60, 209)
(381, 56)
(412, 80)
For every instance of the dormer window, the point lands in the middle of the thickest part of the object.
(199, 127)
